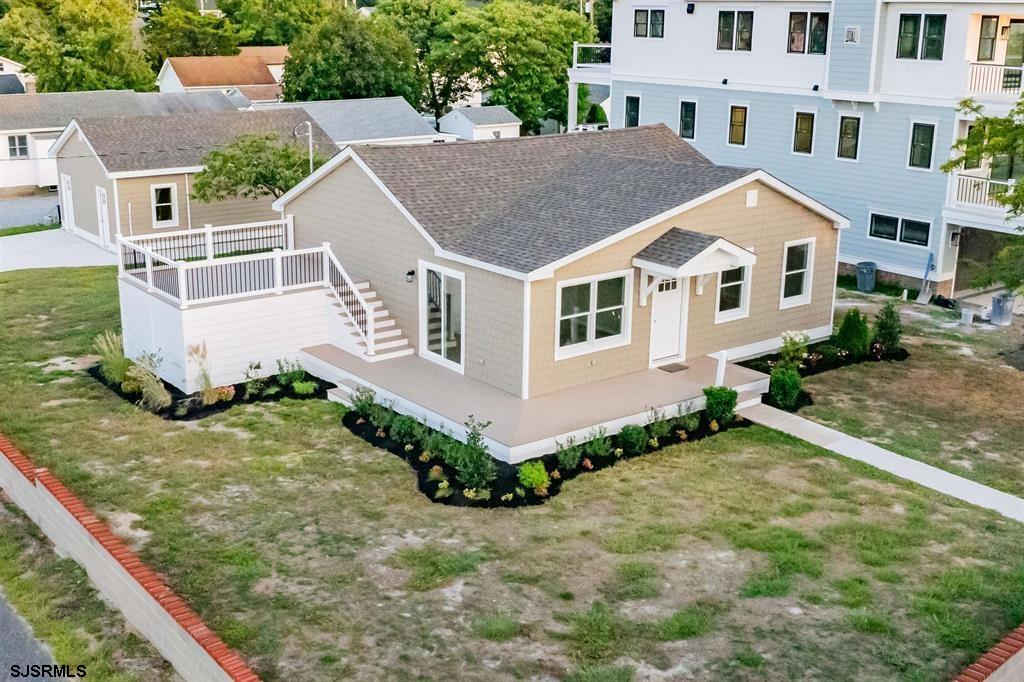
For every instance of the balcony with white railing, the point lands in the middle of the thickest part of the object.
(972, 201)
(592, 56)
(995, 80)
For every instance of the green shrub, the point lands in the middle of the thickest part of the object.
(254, 383)
(113, 364)
(363, 400)
(785, 387)
(830, 355)
(569, 454)
(794, 349)
(382, 416)
(633, 439)
(289, 371)
(658, 426)
(436, 443)
(687, 422)
(405, 429)
(534, 476)
(142, 374)
(473, 464)
(853, 335)
(305, 387)
(888, 328)
(720, 403)
(598, 444)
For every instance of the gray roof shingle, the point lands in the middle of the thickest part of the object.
(526, 202)
(489, 114)
(10, 84)
(374, 118)
(137, 143)
(676, 247)
(54, 110)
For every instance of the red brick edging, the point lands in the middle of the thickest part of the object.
(994, 658)
(175, 606)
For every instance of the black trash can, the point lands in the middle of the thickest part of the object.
(866, 276)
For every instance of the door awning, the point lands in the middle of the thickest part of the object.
(682, 253)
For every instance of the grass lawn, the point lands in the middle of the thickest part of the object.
(746, 556)
(954, 403)
(25, 229)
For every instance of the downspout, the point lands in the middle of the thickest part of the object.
(188, 204)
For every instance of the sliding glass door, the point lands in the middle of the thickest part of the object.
(442, 305)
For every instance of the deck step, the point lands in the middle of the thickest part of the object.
(385, 345)
(378, 333)
(390, 354)
(343, 392)
(747, 399)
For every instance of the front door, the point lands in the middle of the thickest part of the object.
(102, 215)
(667, 320)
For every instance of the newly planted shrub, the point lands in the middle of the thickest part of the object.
(474, 466)
(785, 387)
(687, 422)
(658, 426)
(405, 429)
(289, 371)
(534, 476)
(794, 349)
(598, 444)
(720, 403)
(853, 335)
(143, 375)
(363, 400)
(830, 355)
(304, 387)
(569, 454)
(113, 364)
(255, 384)
(888, 328)
(633, 439)
(381, 416)
(437, 443)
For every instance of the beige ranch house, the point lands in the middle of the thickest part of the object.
(550, 285)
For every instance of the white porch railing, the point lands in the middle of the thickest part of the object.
(211, 242)
(995, 79)
(346, 293)
(974, 191)
(591, 56)
(586, 127)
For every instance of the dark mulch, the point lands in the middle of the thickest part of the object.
(508, 479)
(817, 362)
(1014, 357)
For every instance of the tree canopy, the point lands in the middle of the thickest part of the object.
(76, 44)
(349, 56)
(179, 30)
(278, 22)
(253, 167)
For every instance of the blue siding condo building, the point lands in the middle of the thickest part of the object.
(853, 102)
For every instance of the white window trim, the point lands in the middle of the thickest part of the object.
(28, 146)
(639, 107)
(597, 345)
(934, 123)
(648, 7)
(899, 229)
(860, 135)
(164, 224)
(735, 30)
(807, 33)
(696, 113)
(813, 111)
(805, 297)
(422, 317)
(746, 125)
(744, 310)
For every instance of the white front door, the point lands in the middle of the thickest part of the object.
(667, 320)
(102, 215)
(67, 202)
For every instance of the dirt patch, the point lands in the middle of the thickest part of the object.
(57, 402)
(62, 363)
(122, 524)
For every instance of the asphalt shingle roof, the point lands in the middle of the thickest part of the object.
(181, 140)
(10, 84)
(490, 114)
(676, 247)
(56, 109)
(375, 118)
(526, 202)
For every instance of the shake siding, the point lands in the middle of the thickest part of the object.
(765, 228)
(850, 65)
(880, 181)
(78, 161)
(374, 242)
(136, 199)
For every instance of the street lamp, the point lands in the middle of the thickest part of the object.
(309, 135)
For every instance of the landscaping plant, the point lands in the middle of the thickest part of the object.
(720, 404)
(569, 454)
(254, 383)
(113, 364)
(633, 439)
(142, 374)
(785, 387)
(888, 329)
(289, 371)
(598, 443)
(363, 400)
(853, 335)
(473, 464)
(794, 349)
(406, 430)
(534, 476)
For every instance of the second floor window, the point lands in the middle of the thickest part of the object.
(687, 119)
(738, 125)
(17, 146)
(922, 139)
(987, 39)
(803, 133)
(808, 32)
(632, 115)
(849, 138)
(735, 30)
(913, 43)
(649, 23)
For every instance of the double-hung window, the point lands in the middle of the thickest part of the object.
(649, 23)
(987, 38)
(922, 140)
(905, 230)
(849, 138)
(17, 146)
(798, 260)
(808, 33)
(735, 30)
(733, 294)
(803, 133)
(165, 205)
(913, 43)
(738, 125)
(593, 314)
(687, 119)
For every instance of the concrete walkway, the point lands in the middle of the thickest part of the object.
(17, 644)
(50, 249)
(886, 460)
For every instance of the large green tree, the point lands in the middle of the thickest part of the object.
(76, 44)
(278, 22)
(526, 51)
(998, 143)
(253, 167)
(445, 65)
(180, 30)
(349, 56)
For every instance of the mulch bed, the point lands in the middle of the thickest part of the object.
(1014, 357)
(816, 362)
(508, 480)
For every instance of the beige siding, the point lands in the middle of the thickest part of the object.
(375, 243)
(136, 201)
(77, 160)
(764, 229)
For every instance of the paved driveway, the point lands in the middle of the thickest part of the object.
(17, 645)
(50, 249)
(26, 210)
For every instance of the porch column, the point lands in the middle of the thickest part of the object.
(571, 117)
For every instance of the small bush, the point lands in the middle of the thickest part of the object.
(534, 476)
(437, 443)
(382, 416)
(113, 364)
(305, 387)
(785, 387)
(633, 439)
(405, 429)
(143, 374)
(289, 371)
(888, 328)
(658, 426)
(687, 422)
(473, 464)
(720, 403)
(254, 383)
(363, 400)
(853, 335)
(830, 355)
(569, 454)
(598, 444)
(794, 349)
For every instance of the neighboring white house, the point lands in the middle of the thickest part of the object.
(481, 123)
(256, 72)
(378, 120)
(31, 122)
(14, 79)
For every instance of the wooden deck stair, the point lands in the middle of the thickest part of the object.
(389, 341)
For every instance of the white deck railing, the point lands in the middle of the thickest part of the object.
(211, 242)
(586, 127)
(348, 296)
(995, 79)
(975, 191)
(591, 56)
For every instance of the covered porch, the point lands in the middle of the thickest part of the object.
(521, 429)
